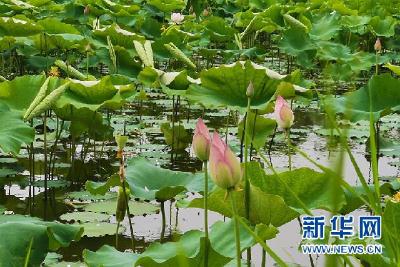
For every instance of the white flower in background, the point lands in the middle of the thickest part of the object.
(177, 18)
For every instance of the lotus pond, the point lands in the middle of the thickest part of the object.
(199, 133)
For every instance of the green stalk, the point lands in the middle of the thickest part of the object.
(116, 235)
(28, 254)
(45, 154)
(237, 231)
(374, 161)
(205, 213)
(261, 242)
(247, 182)
(289, 146)
(163, 221)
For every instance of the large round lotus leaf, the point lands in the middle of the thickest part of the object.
(334, 51)
(82, 216)
(325, 28)
(218, 29)
(95, 94)
(17, 95)
(385, 95)
(355, 23)
(316, 190)
(295, 41)
(259, 130)
(18, 26)
(226, 85)
(96, 229)
(188, 251)
(383, 27)
(17, 231)
(222, 238)
(108, 256)
(167, 6)
(13, 131)
(275, 210)
(15, 240)
(150, 182)
(136, 208)
(391, 220)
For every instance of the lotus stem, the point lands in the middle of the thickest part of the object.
(263, 244)
(237, 230)
(28, 254)
(205, 213)
(116, 235)
(163, 220)
(247, 183)
(45, 154)
(289, 146)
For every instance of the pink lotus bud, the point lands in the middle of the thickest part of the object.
(283, 113)
(201, 141)
(177, 18)
(225, 167)
(378, 45)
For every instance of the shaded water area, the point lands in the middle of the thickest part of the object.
(141, 120)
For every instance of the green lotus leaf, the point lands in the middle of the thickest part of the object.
(17, 231)
(391, 220)
(136, 208)
(316, 190)
(296, 41)
(101, 188)
(15, 241)
(176, 137)
(13, 132)
(150, 182)
(118, 36)
(94, 95)
(258, 132)
(275, 210)
(384, 94)
(108, 256)
(325, 28)
(334, 51)
(218, 29)
(18, 26)
(167, 6)
(226, 85)
(97, 229)
(190, 248)
(83, 216)
(17, 95)
(355, 23)
(383, 27)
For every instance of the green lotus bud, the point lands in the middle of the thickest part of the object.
(39, 97)
(48, 101)
(121, 204)
(250, 90)
(121, 141)
(179, 55)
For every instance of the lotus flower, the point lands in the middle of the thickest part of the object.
(283, 113)
(177, 18)
(224, 165)
(201, 141)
